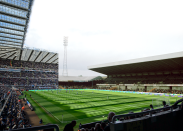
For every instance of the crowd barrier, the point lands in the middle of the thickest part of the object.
(50, 127)
(146, 93)
(163, 119)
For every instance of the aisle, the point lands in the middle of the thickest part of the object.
(31, 115)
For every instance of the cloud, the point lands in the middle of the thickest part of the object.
(106, 31)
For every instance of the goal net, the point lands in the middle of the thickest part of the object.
(158, 102)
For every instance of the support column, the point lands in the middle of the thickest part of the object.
(125, 87)
(145, 88)
(171, 89)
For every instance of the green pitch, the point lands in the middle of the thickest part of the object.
(86, 106)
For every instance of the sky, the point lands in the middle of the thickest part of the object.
(104, 31)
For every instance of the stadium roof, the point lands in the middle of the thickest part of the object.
(32, 55)
(166, 62)
(79, 78)
(14, 19)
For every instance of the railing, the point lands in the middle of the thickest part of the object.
(150, 112)
(38, 128)
(5, 102)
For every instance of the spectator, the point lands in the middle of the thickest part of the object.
(80, 126)
(97, 127)
(131, 117)
(164, 104)
(41, 121)
(103, 125)
(2, 102)
(151, 107)
(70, 126)
(110, 115)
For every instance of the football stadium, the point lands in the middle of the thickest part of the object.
(143, 94)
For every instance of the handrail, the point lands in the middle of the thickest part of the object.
(5, 103)
(38, 128)
(146, 112)
(175, 104)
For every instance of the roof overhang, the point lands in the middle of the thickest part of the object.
(166, 62)
(31, 55)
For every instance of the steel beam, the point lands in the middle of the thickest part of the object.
(10, 44)
(11, 33)
(54, 60)
(15, 6)
(27, 21)
(38, 56)
(7, 52)
(30, 55)
(11, 55)
(16, 16)
(10, 41)
(10, 37)
(51, 57)
(44, 57)
(12, 28)
(12, 22)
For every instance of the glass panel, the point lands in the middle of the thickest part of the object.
(12, 26)
(13, 11)
(6, 42)
(8, 39)
(21, 3)
(12, 19)
(11, 31)
(10, 45)
(9, 35)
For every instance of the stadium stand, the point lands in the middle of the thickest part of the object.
(80, 82)
(21, 67)
(29, 75)
(163, 72)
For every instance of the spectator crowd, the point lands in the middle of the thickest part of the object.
(13, 115)
(28, 74)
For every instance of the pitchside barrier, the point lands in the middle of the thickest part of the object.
(162, 119)
(146, 93)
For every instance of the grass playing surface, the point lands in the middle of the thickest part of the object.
(86, 106)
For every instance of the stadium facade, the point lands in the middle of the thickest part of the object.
(161, 72)
(20, 66)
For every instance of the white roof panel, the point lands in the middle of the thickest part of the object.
(54, 58)
(41, 56)
(139, 60)
(48, 57)
(34, 55)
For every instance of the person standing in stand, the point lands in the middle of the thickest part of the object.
(70, 126)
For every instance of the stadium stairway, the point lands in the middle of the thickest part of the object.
(61, 87)
(152, 90)
(113, 88)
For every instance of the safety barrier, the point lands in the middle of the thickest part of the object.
(167, 118)
(5, 102)
(50, 126)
